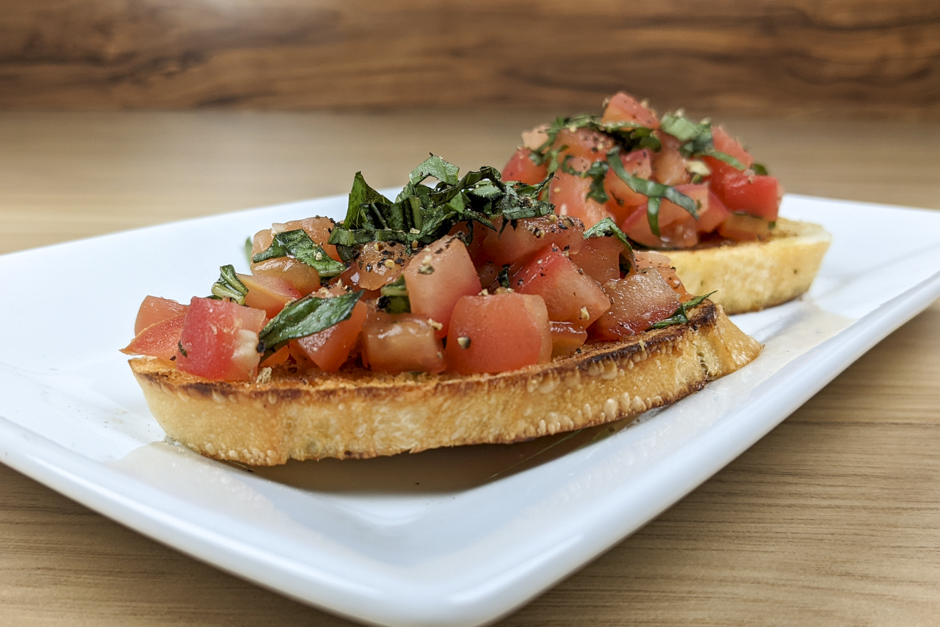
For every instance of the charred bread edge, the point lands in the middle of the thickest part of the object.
(750, 276)
(356, 413)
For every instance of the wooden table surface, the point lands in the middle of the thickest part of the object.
(831, 519)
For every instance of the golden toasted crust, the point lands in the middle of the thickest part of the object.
(750, 276)
(358, 413)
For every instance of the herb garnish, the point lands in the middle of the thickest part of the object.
(421, 214)
(652, 190)
(306, 316)
(394, 297)
(229, 286)
(298, 245)
(681, 316)
(696, 138)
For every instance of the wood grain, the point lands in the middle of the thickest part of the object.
(831, 519)
(788, 57)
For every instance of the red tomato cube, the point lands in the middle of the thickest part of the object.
(219, 340)
(569, 294)
(401, 343)
(498, 332)
(600, 258)
(329, 349)
(520, 241)
(566, 338)
(437, 277)
(569, 193)
(155, 309)
(625, 108)
(522, 168)
(756, 194)
(160, 339)
(269, 293)
(637, 302)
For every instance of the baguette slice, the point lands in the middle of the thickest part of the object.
(356, 413)
(750, 276)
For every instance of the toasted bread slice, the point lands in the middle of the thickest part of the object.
(749, 276)
(356, 413)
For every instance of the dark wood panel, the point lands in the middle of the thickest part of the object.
(786, 56)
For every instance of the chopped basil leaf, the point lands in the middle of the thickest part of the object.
(298, 245)
(306, 316)
(422, 214)
(228, 286)
(248, 246)
(503, 277)
(759, 168)
(681, 316)
(394, 297)
(652, 190)
(696, 139)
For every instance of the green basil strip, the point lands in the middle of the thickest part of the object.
(228, 286)
(722, 156)
(248, 246)
(652, 190)
(394, 297)
(759, 168)
(682, 315)
(681, 127)
(298, 245)
(305, 317)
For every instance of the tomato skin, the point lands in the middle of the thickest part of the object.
(155, 309)
(622, 198)
(497, 333)
(568, 192)
(305, 279)
(600, 258)
(219, 340)
(569, 294)
(437, 277)
(160, 339)
(712, 213)
(268, 292)
(623, 107)
(669, 164)
(520, 241)
(723, 142)
(677, 227)
(756, 194)
(584, 143)
(520, 167)
(400, 343)
(330, 348)
(637, 302)
(566, 338)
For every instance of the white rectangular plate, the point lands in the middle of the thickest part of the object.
(449, 537)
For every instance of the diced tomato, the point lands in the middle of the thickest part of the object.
(524, 238)
(712, 213)
(498, 332)
(637, 302)
(756, 194)
(569, 294)
(277, 357)
(522, 168)
(625, 108)
(588, 144)
(401, 343)
(219, 340)
(723, 142)
(160, 339)
(268, 292)
(622, 197)
(600, 258)
(437, 277)
(329, 349)
(742, 228)
(380, 263)
(662, 264)
(568, 192)
(473, 235)
(677, 227)
(669, 164)
(155, 309)
(302, 277)
(566, 338)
